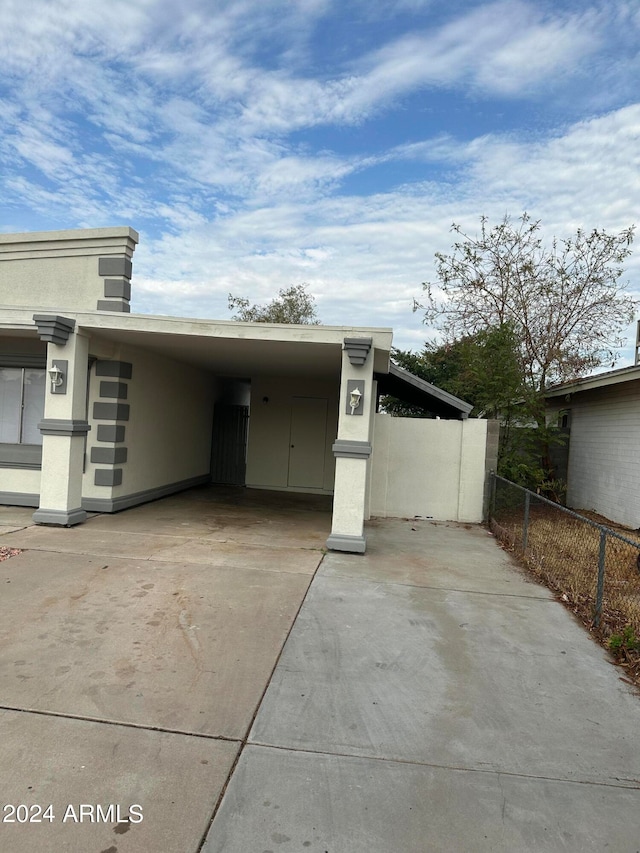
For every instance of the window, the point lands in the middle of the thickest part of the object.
(22, 391)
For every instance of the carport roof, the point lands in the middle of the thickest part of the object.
(415, 391)
(225, 347)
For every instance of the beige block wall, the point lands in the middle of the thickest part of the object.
(168, 434)
(428, 468)
(270, 427)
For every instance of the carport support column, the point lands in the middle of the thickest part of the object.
(64, 426)
(352, 448)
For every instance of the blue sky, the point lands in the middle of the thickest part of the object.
(256, 144)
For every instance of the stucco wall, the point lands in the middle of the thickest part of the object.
(17, 483)
(60, 270)
(604, 454)
(428, 468)
(168, 433)
(270, 428)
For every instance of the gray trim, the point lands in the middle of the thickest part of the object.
(400, 383)
(115, 267)
(350, 544)
(108, 477)
(127, 501)
(58, 426)
(109, 455)
(352, 449)
(116, 369)
(113, 433)
(117, 287)
(63, 366)
(26, 360)
(111, 411)
(115, 305)
(20, 455)
(352, 384)
(358, 349)
(54, 329)
(114, 390)
(19, 499)
(59, 517)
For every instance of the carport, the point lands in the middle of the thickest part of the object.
(136, 402)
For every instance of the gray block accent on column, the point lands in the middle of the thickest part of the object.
(54, 329)
(58, 426)
(109, 455)
(352, 449)
(358, 349)
(116, 369)
(117, 287)
(111, 411)
(108, 476)
(114, 390)
(113, 305)
(350, 544)
(115, 267)
(19, 499)
(59, 517)
(110, 432)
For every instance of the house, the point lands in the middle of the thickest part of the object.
(603, 414)
(102, 409)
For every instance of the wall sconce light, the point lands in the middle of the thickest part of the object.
(355, 397)
(58, 377)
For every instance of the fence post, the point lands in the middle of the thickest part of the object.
(600, 589)
(492, 494)
(525, 525)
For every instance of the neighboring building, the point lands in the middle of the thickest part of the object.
(603, 415)
(101, 409)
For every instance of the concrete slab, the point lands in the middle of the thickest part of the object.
(284, 802)
(15, 518)
(456, 679)
(175, 779)
(174, 645)
(267, 519)
(85, 539)
(442, 555)
(262, 557)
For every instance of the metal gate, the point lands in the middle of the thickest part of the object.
(229, 444)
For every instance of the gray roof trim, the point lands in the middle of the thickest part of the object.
(430, 393)
(600, 380)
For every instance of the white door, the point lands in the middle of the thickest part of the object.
(308, 441)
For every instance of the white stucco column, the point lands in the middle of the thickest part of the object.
(352, 447)
(64, 426)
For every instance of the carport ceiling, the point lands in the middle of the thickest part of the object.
(236, 356)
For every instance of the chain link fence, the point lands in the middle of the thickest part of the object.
(594, 568)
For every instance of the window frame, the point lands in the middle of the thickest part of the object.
(22, 454)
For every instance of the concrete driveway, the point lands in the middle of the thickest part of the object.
(428, 696)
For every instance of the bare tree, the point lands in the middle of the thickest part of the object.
(563, 300)
(292, 305)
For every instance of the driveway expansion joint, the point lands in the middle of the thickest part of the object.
(120, 723)
(452, 767)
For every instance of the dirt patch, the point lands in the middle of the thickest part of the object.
(563, 552)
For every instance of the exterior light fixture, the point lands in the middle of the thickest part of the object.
(354, 399)
(57, 378)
